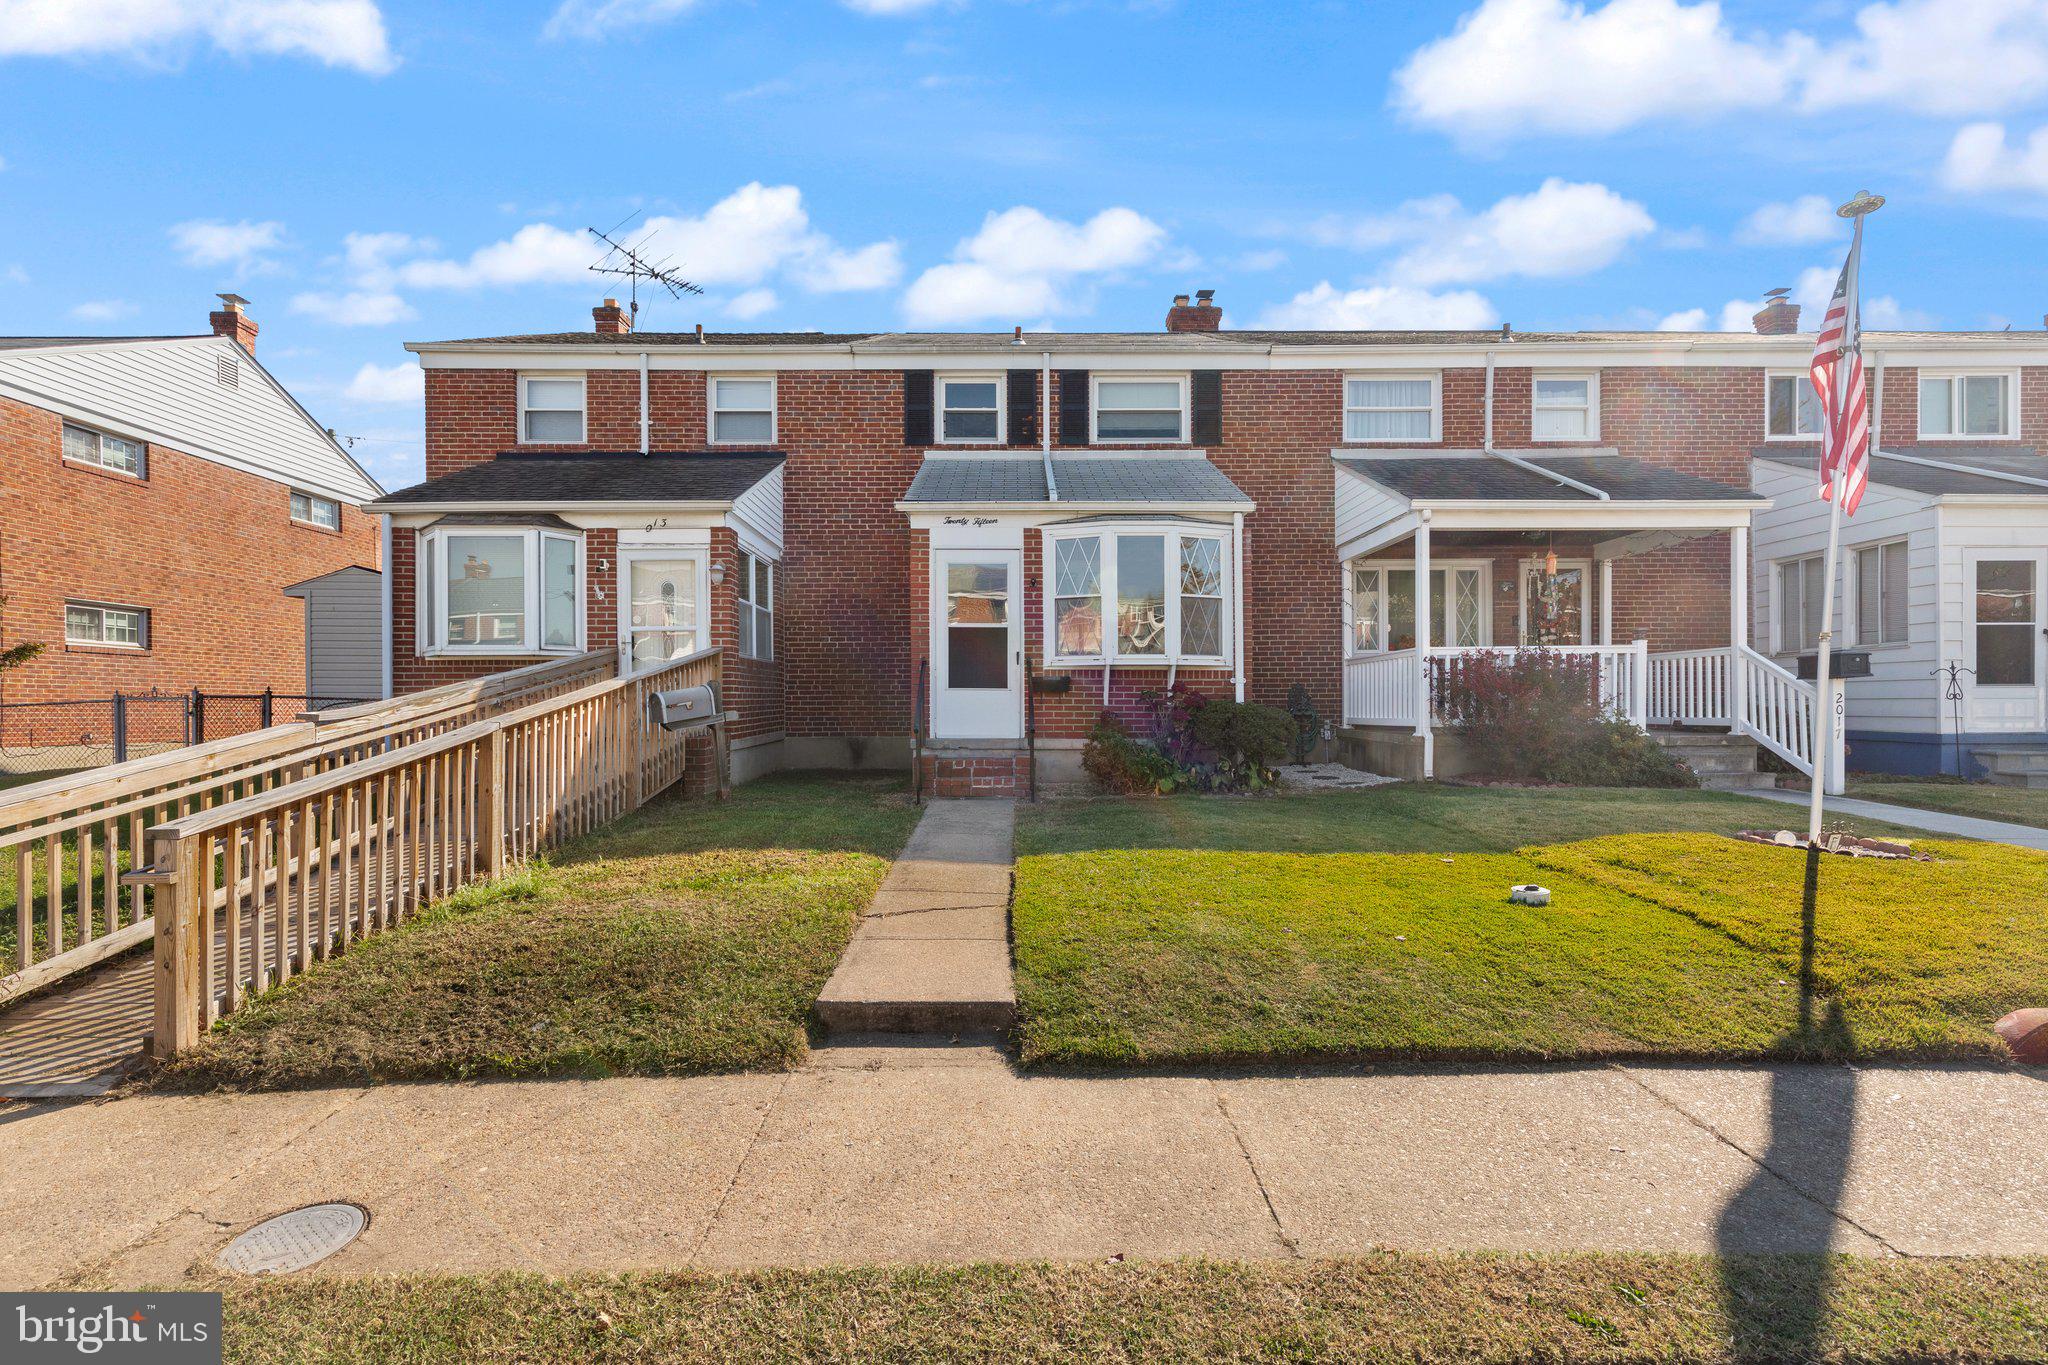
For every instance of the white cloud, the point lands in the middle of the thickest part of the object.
(355, 308)
(102, 310)
(242, 246)
(752, 304)
(595, 18)
(400, 383)
(1022, 261)
(892, 7)
(1522, 66)
(1815, 286)
(1380, 306)
(1560, 228)
(344, 33)
(1809, 218)
(1685, 320)
(1980, 161)
(14, 274)
(876, 266)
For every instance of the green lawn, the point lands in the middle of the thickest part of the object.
(1421, 1308)
(690, 937)
(1985, 800)
(1193, 945)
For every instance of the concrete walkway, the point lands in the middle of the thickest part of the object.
(1933, 821)
(931, 954)
(883, 1154)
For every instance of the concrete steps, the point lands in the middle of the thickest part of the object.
(1723, 762)
(2015, 767)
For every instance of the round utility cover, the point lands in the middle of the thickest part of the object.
(295, 1240)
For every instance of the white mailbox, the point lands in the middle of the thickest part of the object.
(686, 708)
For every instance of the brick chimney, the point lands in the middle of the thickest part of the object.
(232, 320)
(1200, 316)
(611, 319)
(1779, 316)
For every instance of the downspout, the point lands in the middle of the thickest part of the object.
(643, 404)
(1517, 461)
(1052, 484)
(1237, 600)
(384, 560)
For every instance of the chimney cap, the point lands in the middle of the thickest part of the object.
(235, 303)
(1205, 296)
(1776, 295)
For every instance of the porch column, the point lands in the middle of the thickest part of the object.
(1738, 624)
(1423, 635)
(1607, 601)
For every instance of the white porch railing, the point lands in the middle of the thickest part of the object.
(1739, 688)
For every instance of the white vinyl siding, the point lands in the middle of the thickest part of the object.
(1564, 407)
(551, 409)
(742, 410)
(1978, 406)
(98, 623)
(83, 445)
(344, 623)
(1881, 616)
(1393, 407)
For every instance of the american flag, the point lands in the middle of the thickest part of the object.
(1837, 373)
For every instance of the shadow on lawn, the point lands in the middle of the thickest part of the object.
(1777, 1304)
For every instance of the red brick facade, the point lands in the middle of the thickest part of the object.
(205, 549)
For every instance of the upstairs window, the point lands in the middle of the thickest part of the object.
(1139, 594)
(757, 607)
(1802, 587)
(500, 591)
(311, 509)
(1966, 405)
(551, 409)
(742, 411)
(1392, 407)
(83, 445)
(970, 409)
(1149, 410)
(1791, 408)
(96, 623)
(1881, 594)
(1565, 407)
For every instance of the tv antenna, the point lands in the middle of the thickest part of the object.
(622, 259)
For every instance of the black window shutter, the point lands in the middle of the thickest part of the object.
(1206, 391)
(917, 407)
(1022, 403)
(1073, 407)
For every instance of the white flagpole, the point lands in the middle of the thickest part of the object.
(1823, 702)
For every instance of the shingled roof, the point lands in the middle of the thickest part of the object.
(599, 476)
(1474, 476)
(1988, 471)
(1152, 480)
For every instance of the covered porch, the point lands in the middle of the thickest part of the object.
(1639, 572)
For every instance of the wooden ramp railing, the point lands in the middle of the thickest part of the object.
(64, 842)
(249, 892)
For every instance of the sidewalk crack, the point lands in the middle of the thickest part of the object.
(739, 1169)
(1286, 1240)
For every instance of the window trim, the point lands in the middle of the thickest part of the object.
(1095, 382)
(1436, 407)
(1795, 375)
(712, 410)
(146, 627)
(1853, 598)
(993, 377)
(292, 495)
(1107, 532)
(141, 471)
(1779, 645)
(763, 567)
(1383, 567)
(1592, 405)
(582, 409)
(2010, 378)
(431, 607)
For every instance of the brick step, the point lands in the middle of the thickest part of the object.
(1722, 761)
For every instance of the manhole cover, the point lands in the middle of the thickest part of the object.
(295, 1240)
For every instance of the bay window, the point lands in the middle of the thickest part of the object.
(1138, 594)
(500, 590)
(1381, 606)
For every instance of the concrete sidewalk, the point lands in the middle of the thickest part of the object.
(894, 1153)
(1912, 817)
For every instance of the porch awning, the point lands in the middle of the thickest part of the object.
(520, 479)
(1983, 471)
(1158, 482)
(1474, 476)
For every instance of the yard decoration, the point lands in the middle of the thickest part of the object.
(1530, 894)
(1308, 722)
(1837, 841)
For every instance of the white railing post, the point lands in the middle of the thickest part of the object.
(1639, 690)
(1422, 638)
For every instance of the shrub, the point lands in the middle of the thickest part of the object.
(1124, 765)
(1538, 717)
(1244, 741)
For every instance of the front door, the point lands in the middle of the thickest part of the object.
(665, 609)
(977, 654)
(1556, 606)
(2002, 621)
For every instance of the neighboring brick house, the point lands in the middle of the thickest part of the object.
(158, 495)
(1244, 511)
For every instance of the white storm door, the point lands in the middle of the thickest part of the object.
(977, 651)
(665, 615)
(2002, 639)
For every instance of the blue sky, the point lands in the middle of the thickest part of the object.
(374, 171)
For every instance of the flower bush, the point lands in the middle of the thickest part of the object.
(1205, 743)
(1538, 717)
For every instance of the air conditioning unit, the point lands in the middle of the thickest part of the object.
(686, 708)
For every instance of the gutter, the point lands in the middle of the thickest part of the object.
(1517, 462)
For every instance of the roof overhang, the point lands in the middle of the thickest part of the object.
(1160, 509)
(556, 506)
(1634, 524)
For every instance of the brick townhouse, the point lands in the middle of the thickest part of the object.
(891, 532)
(158, 496)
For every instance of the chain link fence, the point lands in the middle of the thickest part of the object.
(62, 736)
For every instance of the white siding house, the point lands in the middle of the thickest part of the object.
(1945, 565)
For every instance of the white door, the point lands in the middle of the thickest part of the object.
(665, 611)
(2003, 641)
(977, 653)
